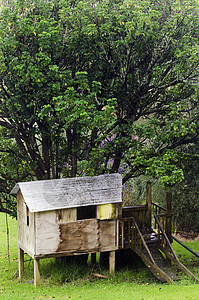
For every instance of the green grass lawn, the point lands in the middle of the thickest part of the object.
(74, 281)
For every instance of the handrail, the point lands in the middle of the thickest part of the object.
(173, 257)
(136, 244)
(173, 237)
(129, 219)
(157, 209)
(159, 206)
(135, 207)
(186, 247)
(143, 241)
(165, 237)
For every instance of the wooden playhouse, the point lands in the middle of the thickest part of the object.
(82, 215)
(68, 217)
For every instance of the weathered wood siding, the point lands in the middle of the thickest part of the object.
(74, 237)
(108, 235)
(139, 213)
(25, 226)
(87, 236)
(47, 228)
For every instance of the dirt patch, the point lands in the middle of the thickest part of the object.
(187, 236)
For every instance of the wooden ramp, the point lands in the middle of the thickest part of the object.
(154, 249)
(161, 268)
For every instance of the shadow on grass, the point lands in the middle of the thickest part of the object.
(129, 268)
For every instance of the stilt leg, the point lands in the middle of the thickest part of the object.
(112, 262)
(21, 262)
(36, 272)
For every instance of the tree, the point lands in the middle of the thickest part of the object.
(89, 87)
(43, 104)
(145, 54)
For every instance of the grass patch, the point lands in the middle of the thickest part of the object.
(75, 281)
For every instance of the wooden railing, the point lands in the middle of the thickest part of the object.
(167, 249)
(138, 212)
(157, 210)
(130, 236)
(162, 237)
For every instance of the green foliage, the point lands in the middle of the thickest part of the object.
(86, 88)
(49, 110)
(186, 194)
(143, 54)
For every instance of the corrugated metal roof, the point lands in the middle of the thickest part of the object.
(53, 194)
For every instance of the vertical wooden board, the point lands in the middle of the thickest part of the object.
(168, 227)
(36, 272)
(107, 211)
(78, 236)
(89, 234)
(24, 212)
(119, 210)
(65, 215)
(107, 234)
(21, 262)
(26, 233)
(69, 237)
(69, 215)
(112, 262)
(148, 203)
(47, 232)
(19, 217)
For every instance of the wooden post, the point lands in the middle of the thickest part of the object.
(148, 203)
(119, 207)
(112, 262)
(169, 217)
(168, 227)
(21, 262)
(36, 271)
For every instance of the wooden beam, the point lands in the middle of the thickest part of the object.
(112, 262)
(169, 215)
(168, 226)
(21, 262)
(36, 271)
(148, 203)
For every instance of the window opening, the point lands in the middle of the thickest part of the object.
(27, 215)
(86, 212)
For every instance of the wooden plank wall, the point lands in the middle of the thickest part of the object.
(26, 233)
(139, 213)
(47, 228)
(88, 236)
(74, 237)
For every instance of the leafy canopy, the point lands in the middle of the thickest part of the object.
(89, 87)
